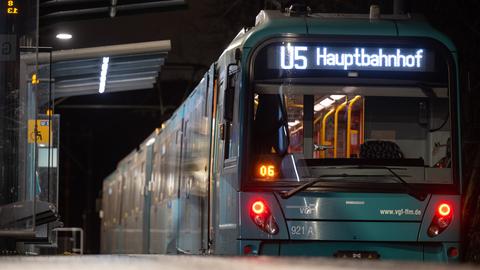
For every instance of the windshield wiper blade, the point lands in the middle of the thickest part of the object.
(293, 191)
(421, 196)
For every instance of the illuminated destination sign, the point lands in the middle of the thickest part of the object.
(303, 57)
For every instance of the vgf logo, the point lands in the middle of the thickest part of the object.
(308, 210)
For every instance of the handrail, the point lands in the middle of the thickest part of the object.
(324, 127)
(362, 124)
(335, 135)
(349, 123)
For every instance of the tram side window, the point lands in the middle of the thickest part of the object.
(270, 125)
(230, 115)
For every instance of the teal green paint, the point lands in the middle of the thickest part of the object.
(275, 28)
(354, 206)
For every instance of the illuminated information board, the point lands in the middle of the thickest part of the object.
(287, 56)
(12, 7)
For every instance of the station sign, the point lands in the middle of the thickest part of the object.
(291, 56)
(42, 133)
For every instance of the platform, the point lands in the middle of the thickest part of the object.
(155, 262)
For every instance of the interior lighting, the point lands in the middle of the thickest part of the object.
(294, 123)
(64, 36)
(103, 74)
(327, 102)
(318, 107)
(337, 97)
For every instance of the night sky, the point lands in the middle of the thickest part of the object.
(94, 140)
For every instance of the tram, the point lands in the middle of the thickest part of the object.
(312, 135)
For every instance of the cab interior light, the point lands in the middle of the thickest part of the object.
(337, 97)
(293, 123)
(318, 107)
(327, 102)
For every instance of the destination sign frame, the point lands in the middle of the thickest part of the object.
(323, 56)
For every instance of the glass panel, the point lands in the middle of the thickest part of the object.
(357, 132)
(18, 189)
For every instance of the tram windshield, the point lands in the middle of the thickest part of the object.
(301, 132)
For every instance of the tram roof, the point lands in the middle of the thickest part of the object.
(271, 23)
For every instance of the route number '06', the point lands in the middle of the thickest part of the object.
(267, 171)
(290, 57)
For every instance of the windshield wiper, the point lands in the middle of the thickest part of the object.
(406, 186)
(421, 196)
(293, 191)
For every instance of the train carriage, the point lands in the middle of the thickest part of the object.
(312, 135)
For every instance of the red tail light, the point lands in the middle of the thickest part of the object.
(444, 209)
(262, 217)
(441, 220)
(258, 207)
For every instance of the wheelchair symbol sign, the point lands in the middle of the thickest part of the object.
(42, 134)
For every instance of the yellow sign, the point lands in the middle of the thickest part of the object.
(12, 7)
(35, 80)
(42, 134)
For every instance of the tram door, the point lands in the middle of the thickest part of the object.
(224, 204)
(194, 184)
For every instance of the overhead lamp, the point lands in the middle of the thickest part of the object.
(337, 97)
(64, 36)
(327, 102)
(103, 74)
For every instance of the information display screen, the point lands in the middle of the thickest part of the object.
(291, 56)
(360, 58)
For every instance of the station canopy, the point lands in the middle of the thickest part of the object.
(104, 69)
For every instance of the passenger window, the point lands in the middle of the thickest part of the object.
(229, 115)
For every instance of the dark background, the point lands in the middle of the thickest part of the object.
(93, 141)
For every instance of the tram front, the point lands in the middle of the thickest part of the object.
(352, 150)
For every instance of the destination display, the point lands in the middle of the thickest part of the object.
(288, 56)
